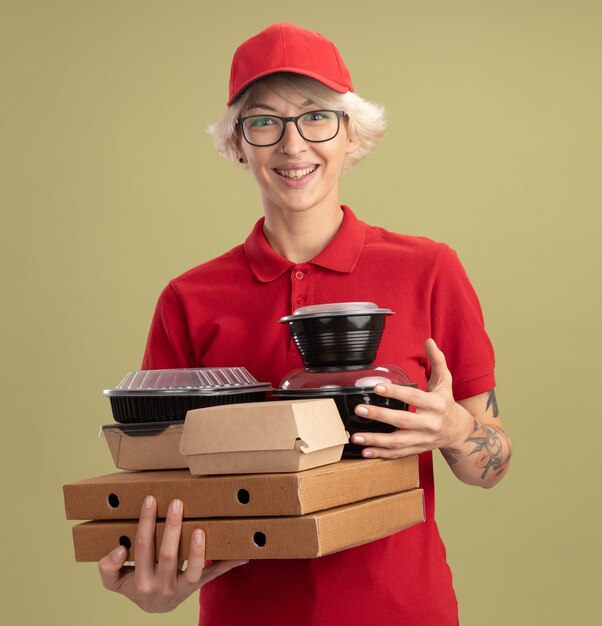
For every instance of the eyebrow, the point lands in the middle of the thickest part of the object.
(261, 105)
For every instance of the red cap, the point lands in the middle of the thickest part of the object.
(288, 48)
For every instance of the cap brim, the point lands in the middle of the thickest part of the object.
(334, 85)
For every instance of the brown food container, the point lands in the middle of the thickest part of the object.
(258, 437)
(120, 495)
(301, 537)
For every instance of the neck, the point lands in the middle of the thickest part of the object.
(301, 236)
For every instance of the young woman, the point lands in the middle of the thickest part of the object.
(294, 122)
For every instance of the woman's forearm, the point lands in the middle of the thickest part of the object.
(469, 433)
(481, 455)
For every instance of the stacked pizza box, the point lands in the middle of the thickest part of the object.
(264, 480)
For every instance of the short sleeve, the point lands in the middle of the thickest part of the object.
(458, 327)
(168, 344)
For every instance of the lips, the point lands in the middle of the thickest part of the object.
(296, 173)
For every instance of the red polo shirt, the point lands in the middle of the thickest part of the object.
(225, 313)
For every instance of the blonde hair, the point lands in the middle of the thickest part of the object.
(367, 120)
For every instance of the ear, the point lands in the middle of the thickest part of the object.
(241, 154)
(352, 145)
(352, 141)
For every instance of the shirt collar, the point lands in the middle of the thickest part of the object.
(340, 255)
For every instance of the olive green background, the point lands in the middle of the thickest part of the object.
(110, 187)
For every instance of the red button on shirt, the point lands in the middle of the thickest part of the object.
(225, 313)
(299, 275)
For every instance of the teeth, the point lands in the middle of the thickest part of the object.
(297, 173)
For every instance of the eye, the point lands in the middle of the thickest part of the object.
(317, 116)
(261, 121)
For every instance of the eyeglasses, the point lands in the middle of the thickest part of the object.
(267, 130)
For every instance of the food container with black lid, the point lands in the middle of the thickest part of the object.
(348, 387)
(338, 343)
(337, 334)
(145, 445)
(167, 395)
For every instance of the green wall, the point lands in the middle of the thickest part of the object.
(110, 187)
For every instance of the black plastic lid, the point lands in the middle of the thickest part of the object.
(341, 380)
(335, 309)
(187, 382)
(141, 428)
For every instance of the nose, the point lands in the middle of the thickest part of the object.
(292, 142)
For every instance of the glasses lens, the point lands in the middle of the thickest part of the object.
(319, 125)
(262, 130)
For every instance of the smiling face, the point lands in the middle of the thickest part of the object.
(294, 175)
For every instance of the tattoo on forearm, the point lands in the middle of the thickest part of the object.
(492, 447)
(492, 402)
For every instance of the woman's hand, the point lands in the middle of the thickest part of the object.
(158, 585)
(469, 433)
(437, 423)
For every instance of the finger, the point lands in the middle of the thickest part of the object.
(422, 400)
(427, 421)
(110, 568)
(394, 417)
(196, 558)
(167, 566)
(404, 393)
(197, 573)
(389, 453)
(398, 440)
(440, 373)
(145, 541)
